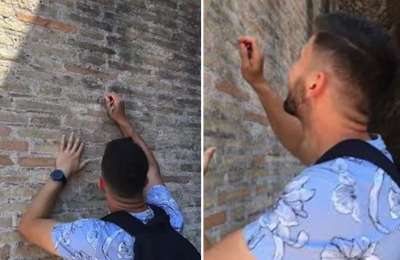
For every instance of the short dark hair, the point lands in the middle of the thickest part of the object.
(363, 56)
(124, 167)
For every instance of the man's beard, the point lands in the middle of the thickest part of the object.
(295, 98)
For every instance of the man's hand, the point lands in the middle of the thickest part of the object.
(68, 156)
(252, 61)
(115, 107)
(208, 155)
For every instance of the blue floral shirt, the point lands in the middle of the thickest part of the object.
(340, 210)
(94, 239)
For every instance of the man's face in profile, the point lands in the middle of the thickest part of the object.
(297, 85)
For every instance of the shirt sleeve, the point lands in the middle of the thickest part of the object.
(159, 196)
(76, 240)
(282, 227)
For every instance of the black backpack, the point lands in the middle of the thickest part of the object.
(362, 150)
(157, 240)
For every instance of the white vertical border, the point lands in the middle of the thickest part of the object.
(202, 129)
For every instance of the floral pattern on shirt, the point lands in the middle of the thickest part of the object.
(94, 239)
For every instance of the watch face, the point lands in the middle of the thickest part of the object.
(57, 175)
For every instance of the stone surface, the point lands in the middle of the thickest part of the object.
(57, 59)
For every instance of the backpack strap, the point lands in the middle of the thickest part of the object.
(362, 150)
(143, 247)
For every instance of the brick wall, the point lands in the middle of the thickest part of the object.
(57, 59)
(250, 167)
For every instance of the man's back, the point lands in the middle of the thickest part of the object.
(342, 209)
(96, 239)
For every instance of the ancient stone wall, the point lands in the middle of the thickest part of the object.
(57, 59)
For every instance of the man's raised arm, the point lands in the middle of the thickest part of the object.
(287, 128)
(116, 111)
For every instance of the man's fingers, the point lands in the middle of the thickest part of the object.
(252, 43)
(80, 148)
(83, 164)
(107, 99)
(244, 56)
(76, 144)
(62, 143)
(70, 141)
(207, 157)
(115, 98)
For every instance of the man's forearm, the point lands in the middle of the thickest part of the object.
(287, 128)
(43, 203)
(154, 169)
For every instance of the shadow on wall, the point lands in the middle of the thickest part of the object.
(57, 59)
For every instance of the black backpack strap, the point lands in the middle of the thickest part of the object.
(362, 150)
(126, 221)
(143, 247)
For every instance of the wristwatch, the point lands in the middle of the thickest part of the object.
(58, 175)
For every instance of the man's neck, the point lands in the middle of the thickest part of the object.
(128, 205)
(325, 134)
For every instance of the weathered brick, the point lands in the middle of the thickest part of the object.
(13, 145)
(24, 250)
(177, 179)
(67, 3)
(40, 134)
(14, 25)
(85, 71)
(4, 131)
(46, 147)
(40, 48)
(13, 117)
(105, 2)
(257, 118)
(88, 10)
(228, 88)
(36, 162)
(237, 193)
(46, 10)
(48, 120)
(77, 124)
(46, 77)
(91, 47)
(90, 22)
(6, 40)
(92, 35)
(85, 59)
(47, 23)
(5, 251)
(127, 67)
(95, 113)
(5, 160)
(14, 87)
(39, 34)
(5, 222)
(5, 11)
(40, 106)
(215, 220)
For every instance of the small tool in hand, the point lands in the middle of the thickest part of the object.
(249, 50)
(112, 105)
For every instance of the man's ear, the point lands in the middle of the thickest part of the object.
(101, 184)
(316, 84)
(147, 181)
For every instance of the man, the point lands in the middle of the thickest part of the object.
(341, 209)
(130, 179)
